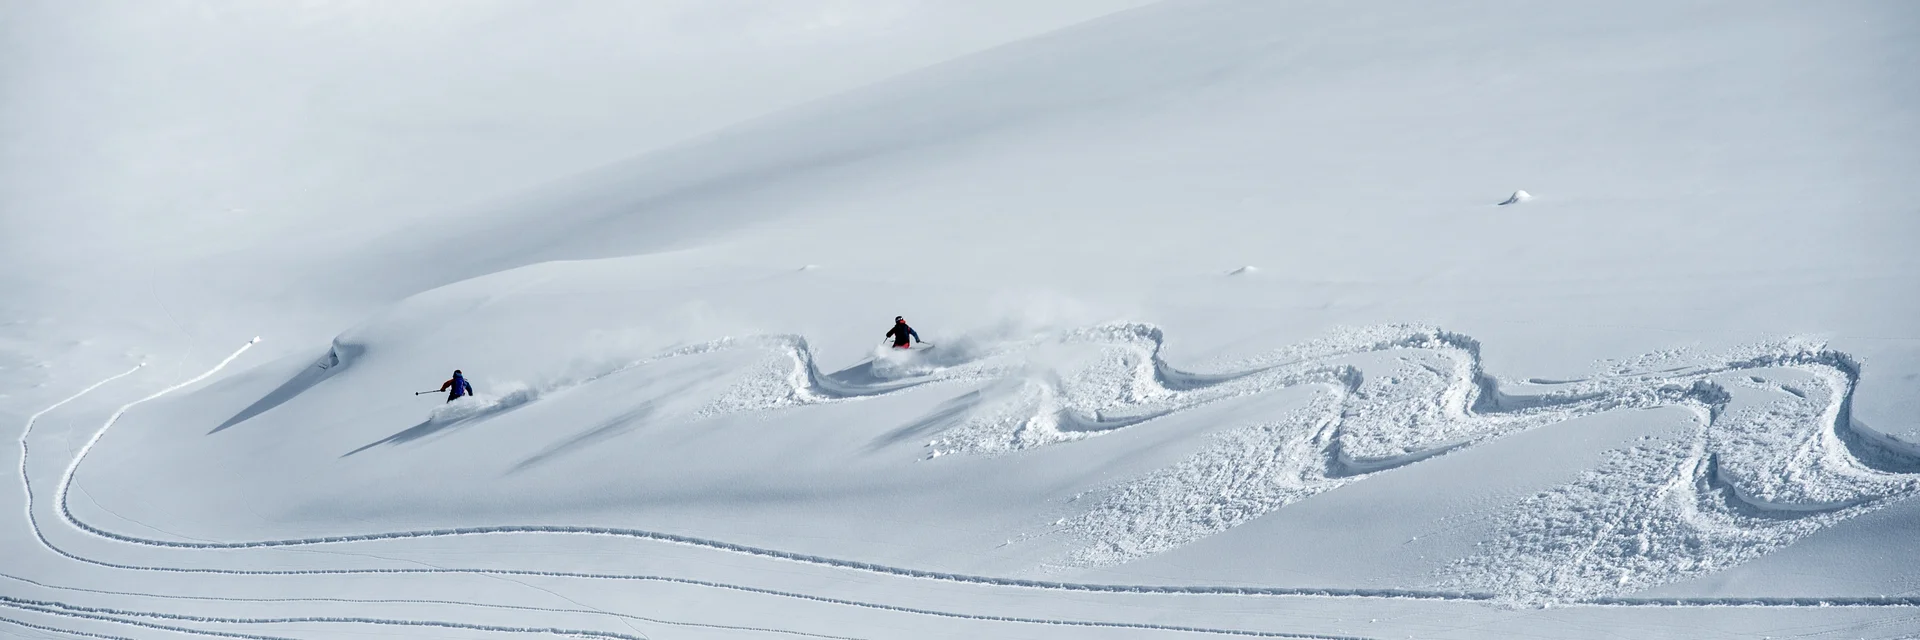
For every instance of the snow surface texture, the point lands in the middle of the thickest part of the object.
(1757, 474)
(1229, 333)
(1769, 462)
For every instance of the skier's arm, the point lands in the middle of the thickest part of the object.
(915, 334)
(446, 385)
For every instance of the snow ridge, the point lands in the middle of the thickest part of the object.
(1423, 404)
(1772, 460)
(60, 610)
(1395, 395)
(1392, 396)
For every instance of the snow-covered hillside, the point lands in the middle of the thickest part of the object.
(1239, 323)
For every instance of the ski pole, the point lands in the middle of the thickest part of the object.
(426, 392)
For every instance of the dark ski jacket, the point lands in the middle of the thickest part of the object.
(900, 332)
(459, 386)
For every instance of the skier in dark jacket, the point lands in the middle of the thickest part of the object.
(458, 386)
(901, 332)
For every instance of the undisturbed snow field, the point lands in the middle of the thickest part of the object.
(1230, 333)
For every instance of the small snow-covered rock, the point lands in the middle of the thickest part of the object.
(1517, 198)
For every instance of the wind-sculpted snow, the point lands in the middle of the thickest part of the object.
(1772, 457)
(1775, 456)
(1770, 463)
(1385, 397)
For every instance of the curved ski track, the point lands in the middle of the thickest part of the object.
(1371, 423)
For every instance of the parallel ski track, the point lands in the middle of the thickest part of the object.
(133, 618)
(1162, 373)
(67, 516)
(125, 616)
(426, 601)
(66, 632)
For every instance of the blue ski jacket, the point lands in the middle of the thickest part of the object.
(459, 386)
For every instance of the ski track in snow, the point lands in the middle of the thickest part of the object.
(425, 601)
(127, 617)
(1772, 459)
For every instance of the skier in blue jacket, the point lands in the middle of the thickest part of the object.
(458, 386)
(900, 333)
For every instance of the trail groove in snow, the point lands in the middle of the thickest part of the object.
(424, 601)
(127, 617)
(1787, 469)
(59, 609)
(1774, 459)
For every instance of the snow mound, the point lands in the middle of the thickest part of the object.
(1517, 198)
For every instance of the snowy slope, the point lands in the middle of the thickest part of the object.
(1230, 338)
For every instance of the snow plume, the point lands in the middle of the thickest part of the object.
(789, 376)
(480, 405)
(895, 364)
